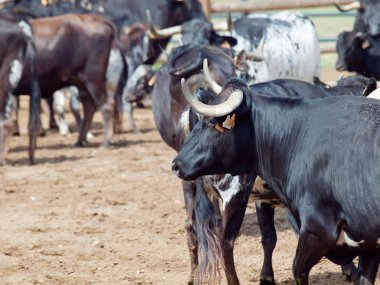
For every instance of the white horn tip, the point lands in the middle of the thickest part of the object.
(205, 62)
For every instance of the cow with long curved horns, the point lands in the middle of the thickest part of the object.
(266, 199)
(340, 173)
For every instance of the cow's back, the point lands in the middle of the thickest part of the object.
(337, 155)
(291, 47)
(69, 45)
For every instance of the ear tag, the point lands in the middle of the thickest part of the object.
(225, 44)
(229, 123)
(152, 80)
(219, 128)
(365, 44)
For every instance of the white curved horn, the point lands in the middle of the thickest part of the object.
(220, 110)
(215, 87)
(224, 26)
(161, 33)
(348, 7)
(375, 94)
(258, 54)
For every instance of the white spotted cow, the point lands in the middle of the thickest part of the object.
(290, 47)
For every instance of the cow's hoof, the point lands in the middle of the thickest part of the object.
(349, 277)
(140, 105)
(79, 144)
(53, 128)
(107, 145)
(43, 133)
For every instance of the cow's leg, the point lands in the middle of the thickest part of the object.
(369, 265)
(16, 127)
(265, 217)
(232, 218)
(52, 122)
(118, 115)
(192, 243)
(75, 104)
(75, 109)
(349, 271)
(318, 233)
(107, 111)
(89, 108)
(310, 250)
(105, 101)
(128, 108)
(59, 109)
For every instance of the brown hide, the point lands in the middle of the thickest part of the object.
(73, 49)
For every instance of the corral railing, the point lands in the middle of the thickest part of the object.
(327, 45)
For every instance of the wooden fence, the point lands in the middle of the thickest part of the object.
(260, 5)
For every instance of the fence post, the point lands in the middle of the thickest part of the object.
(206, 7)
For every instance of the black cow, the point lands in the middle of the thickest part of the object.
(171, 115)
(367, 16)
(359, 53)
(327, 176)
(352, 85)
(16, 44)
(57, 66)
(359, 50)
(266, 199)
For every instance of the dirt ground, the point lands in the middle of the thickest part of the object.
(113, 216)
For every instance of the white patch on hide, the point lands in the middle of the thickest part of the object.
(230, 192)
(26, 29)
(15, 73)
(10, 106)
(345, 239)
(59, 109)
(115, 65)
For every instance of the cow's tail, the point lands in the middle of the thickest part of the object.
(210, 238)
(35, 99)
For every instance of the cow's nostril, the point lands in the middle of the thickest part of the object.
(175, 168)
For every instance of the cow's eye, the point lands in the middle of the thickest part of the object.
(211, 124)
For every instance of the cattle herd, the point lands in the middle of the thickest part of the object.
(239, 100)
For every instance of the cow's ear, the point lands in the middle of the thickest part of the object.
(241, 61)
(371, 86)
(183, 68)
(365, 43)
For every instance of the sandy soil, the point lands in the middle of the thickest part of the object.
(113, 216)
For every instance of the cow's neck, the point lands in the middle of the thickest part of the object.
(277, 124)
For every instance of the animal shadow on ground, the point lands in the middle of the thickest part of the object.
(43, 160)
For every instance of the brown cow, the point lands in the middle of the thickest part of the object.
(73, 49)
